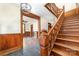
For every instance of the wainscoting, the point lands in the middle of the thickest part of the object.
(10, 42)
(26, 34)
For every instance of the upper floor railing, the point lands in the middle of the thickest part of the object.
(53, 9)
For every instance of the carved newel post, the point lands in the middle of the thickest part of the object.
(44, 43)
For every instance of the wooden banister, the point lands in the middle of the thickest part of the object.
(55, 23)
(47, 39)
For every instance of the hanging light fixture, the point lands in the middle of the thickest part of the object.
(26, 7)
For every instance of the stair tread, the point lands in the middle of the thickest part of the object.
(73, 47)
(67, 39)
(69, 34)
(71, 17)
(74, 22)
(70, 20)
(60, 52)
(70, 24)
(70, 30)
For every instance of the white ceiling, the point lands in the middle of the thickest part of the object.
(40, 10)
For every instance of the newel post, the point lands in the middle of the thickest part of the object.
(44, 43)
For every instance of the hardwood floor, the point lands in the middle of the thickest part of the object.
(30, 48)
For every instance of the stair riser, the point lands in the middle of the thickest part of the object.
(70, 37)
(69, 51)
(71, 22)
(55, 54)
(70, 28)
(69, 32)
(71, 25)
(72, 19)
(67, 42)
(67, 39)
(65, 23)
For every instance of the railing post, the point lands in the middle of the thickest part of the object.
(44, 43)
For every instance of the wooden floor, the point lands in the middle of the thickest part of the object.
(30, 48)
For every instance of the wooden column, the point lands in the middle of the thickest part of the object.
(21, 26)
(31, 33)
(44, 44)
(24, 28)
(39, 29)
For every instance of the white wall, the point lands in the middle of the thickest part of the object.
(30, 21)
(68, 6)
(46, 16)
(9, 18)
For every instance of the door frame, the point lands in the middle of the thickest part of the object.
(31, 15)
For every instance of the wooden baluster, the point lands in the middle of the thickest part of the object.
(44, 44)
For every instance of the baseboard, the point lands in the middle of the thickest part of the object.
(8, 51)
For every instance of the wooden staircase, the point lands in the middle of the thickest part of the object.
(67, 42)
(63, 37)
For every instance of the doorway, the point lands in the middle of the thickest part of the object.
(30, 37)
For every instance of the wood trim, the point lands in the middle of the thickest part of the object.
(31, 32)
(26, 34)
(31, 15)
(8, 51)
(21, 22)
(39, 28)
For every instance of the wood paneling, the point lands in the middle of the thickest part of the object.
(72, 12)
(8, 41)
(27, 33)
